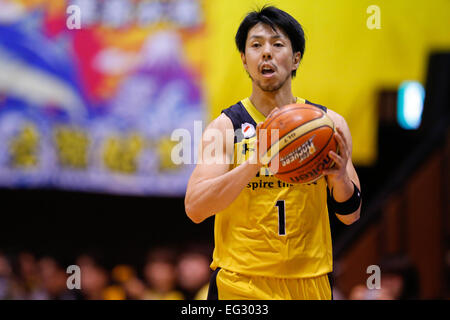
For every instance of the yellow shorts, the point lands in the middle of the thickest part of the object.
(228, 285)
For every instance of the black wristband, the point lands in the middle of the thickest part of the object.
(349, 206)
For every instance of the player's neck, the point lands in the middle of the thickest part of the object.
(266, 101)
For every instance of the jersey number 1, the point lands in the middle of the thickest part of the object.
(281, 217)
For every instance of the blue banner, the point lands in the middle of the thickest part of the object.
(91, 91)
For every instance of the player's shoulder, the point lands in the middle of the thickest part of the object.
(334, 115)
(222, 122)
(239, 115)
(339, 122)
(338, 119)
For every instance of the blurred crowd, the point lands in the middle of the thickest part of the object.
(166, 274)
(399, 280)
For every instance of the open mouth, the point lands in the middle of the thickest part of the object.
(267, 70)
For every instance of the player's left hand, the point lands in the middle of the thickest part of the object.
(339, 171)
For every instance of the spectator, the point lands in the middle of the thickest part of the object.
(54, 280)
(399, 281)
(29, 282)
(126, 284)
(160, 275)
(399, 278)
(194, 272)
(94, 278)
(8, 285)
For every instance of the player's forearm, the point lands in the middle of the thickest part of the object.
(206, 198)
(343, 191)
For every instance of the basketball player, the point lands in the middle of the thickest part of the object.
(272, 239)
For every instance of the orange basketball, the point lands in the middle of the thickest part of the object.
(305, 136)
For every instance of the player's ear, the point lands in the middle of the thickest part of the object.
(244, 60)
(296, 60)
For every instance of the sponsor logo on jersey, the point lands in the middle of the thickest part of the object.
(248, 130)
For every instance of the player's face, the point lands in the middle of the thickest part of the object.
(268, 57)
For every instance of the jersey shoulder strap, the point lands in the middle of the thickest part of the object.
(240, 118)
(317, 105)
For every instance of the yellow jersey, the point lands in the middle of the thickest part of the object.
(273, 228)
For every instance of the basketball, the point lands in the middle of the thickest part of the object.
(305, 136)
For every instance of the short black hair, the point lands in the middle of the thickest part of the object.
(275, 18)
